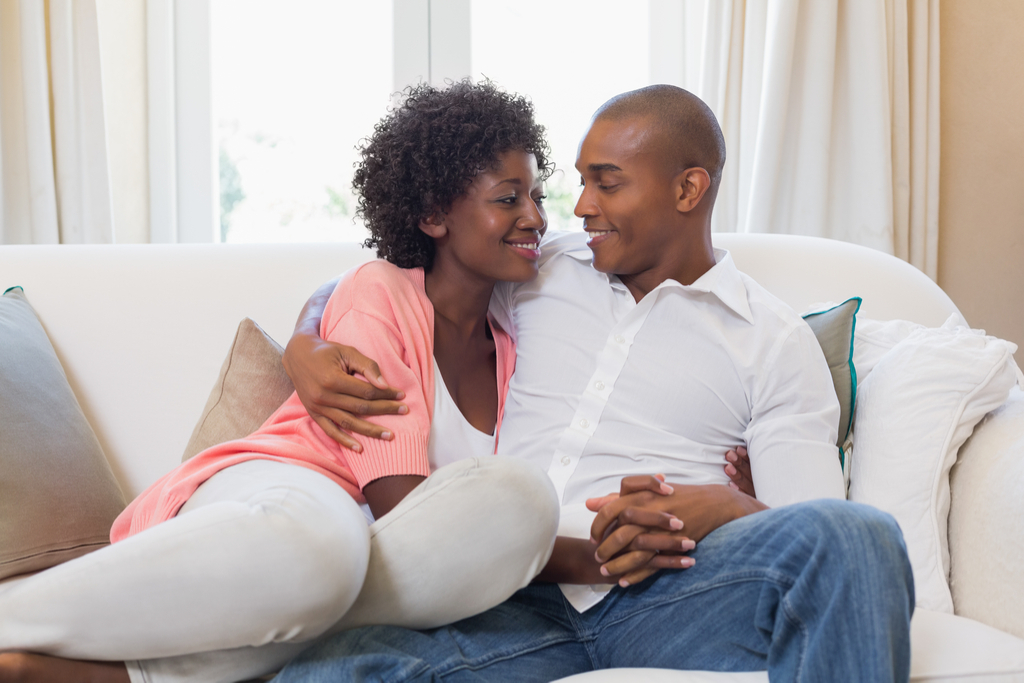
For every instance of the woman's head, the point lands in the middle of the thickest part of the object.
(425, 154)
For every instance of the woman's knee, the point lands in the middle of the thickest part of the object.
(524, 493)
(317, 552)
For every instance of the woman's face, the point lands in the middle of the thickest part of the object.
(493, 230)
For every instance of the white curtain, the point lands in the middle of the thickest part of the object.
(55, 180)
(830, 110)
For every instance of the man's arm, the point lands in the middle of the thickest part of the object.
(322, 373)
(794, 417)
(793, 457)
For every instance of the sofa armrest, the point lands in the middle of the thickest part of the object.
(986, 521)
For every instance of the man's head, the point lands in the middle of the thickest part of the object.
(650, 165)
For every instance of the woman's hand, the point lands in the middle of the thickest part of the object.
(738, 470)
(322, 373)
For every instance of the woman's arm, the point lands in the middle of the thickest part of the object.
(321, 372)
(383, 494)
(573, 561)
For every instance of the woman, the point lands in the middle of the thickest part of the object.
(251, 549)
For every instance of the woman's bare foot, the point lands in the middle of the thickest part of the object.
(24, 667)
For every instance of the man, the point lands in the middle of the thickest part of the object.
(655, 358)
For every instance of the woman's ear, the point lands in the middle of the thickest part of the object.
(434, 226)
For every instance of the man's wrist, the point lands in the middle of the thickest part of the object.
(741, 504)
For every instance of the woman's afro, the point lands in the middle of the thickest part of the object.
(426, 152)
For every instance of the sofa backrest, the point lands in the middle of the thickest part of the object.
(142, 330)
(803, 271)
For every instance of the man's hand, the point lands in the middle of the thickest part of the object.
(628, 541)
(322, 374)
(659, 544)
(738, 470)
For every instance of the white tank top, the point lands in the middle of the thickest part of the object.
(451, 438)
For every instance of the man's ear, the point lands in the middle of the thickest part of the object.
(691, 186)
(434, 226)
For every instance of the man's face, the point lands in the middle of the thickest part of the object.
(628, 202)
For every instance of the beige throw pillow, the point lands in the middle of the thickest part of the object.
(251, 386)
(58, 496)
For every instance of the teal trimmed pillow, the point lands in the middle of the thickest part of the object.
(834, 329)
(58, 496)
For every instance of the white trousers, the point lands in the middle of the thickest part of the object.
(266, 557)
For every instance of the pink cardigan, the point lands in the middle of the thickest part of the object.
(383, 311)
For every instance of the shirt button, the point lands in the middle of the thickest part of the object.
(599, 385)
(565, 460)
(619, 339)
(584, 423)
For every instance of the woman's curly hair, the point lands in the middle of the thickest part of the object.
(426, 152)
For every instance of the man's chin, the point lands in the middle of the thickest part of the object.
(603, 264)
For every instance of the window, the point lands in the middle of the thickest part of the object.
(296, 85)
(569, 57)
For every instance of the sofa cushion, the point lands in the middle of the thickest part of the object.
(58, 496)
(915, 409)
(251, 386)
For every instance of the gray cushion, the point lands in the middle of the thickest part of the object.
(251, 386)
(834, 329)
(58, 496)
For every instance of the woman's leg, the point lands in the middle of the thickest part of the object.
(460, 543)
(467, 538)
(263, 552)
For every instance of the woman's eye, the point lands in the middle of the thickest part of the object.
(540, 199)
(508, 200)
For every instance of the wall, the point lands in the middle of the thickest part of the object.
(981, 210)
(122, 28)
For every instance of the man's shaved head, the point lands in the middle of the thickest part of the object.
(684, 131)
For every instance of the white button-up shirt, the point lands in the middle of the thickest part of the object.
(607, 387)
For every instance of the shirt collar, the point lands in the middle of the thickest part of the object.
(722, 279)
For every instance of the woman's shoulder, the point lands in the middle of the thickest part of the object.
(378, 272)
(378, 285)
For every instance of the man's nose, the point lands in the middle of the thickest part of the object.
(584, 205)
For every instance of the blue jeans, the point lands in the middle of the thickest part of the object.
(820, 591)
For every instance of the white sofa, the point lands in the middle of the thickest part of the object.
(142, 331)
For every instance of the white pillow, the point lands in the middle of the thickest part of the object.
(915, 409)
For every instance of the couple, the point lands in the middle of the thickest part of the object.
(652, 360)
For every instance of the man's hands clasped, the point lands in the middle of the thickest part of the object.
(633, 538)
(650, 525)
